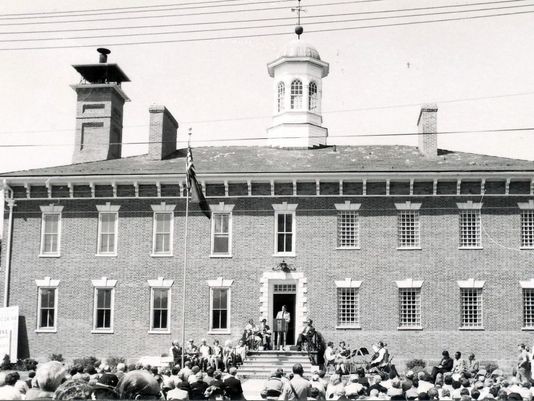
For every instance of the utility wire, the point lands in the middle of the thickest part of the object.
(234, 21)
(393, 134)
(398, 24)
(267, 26)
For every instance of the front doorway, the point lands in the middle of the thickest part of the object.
(286, 294)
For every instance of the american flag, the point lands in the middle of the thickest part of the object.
(193, 186)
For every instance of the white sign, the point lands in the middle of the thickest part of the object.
(9, 332)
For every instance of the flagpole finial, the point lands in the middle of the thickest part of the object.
(189, 133)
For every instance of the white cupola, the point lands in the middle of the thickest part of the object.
(297, 120)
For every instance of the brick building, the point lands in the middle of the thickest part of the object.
(422, 247)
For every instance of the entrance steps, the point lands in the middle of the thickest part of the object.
(260, 364)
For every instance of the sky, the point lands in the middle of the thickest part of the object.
(480, 72)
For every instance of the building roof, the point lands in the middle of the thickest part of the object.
(259, 159)
(300, 48)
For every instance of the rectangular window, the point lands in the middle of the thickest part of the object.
(219, 309)
(162, 241)
(470, 229)
(408, 229)
(471, 303)
(220, 234)
(527, 228)
(285, 233)
(409, 307)
(160, 309)
(50, 234)
(107, 233)
(528, 307)
(47, 309)
(348, 233)
(348, 307)
(103, 315)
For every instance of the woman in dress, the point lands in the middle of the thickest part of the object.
(217, 355)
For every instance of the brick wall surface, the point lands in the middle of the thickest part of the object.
(378, 264)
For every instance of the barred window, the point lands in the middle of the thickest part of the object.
(409, 307)
(312, 97)
(285, 227)
(348, 307)
(471, 304)
(348, 233)
(220, 234)
(296, 94)
(527, 228)
(50, 234)
(528, 307)
(162, 242)
(219, 308)
(107, 233)
(408, 229)
(47, 309)
(160, 309)
(281, 96)
(103, 315)
(470, 229)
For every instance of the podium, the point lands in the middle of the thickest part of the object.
(280, 325)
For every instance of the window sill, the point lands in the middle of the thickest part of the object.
(348, 248)
(410, 328)
(471, 328)
(527, 328)
(348, 327)
(161, 255)
(216, 255)
(49, 255)
(285, 255)
(46, 331)
(405, 248)
(159, 332)
(527, 248)
(469, 248)
(215, 332)
(106, 255)
(94, 331)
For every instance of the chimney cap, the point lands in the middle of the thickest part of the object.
(427, 107)
(101, 73)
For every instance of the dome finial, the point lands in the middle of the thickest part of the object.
(298, 9)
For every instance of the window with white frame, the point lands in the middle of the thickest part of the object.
(281, 97)
(104, 303)
(51, 230)
(284, 238)
(313, 103)
(108, 225)
(348, 225)
(221, 229)
(471, 315)
(410, 303)
(296, 94)
(220, 302)
(528, 308)
(470, 225)
(47, 304)
(162, 229)
(527, 224)
(160, 305)
(408, 226)
(348, 303)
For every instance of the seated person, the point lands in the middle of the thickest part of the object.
(329, 355)
(306, 335)
(445, 365)
(240, 353)
(249, 334)
(265, 333)
(342, 358)
(380, 357)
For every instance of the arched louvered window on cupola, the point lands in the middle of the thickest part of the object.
(296, 94)
(281, 97)
(313, 103)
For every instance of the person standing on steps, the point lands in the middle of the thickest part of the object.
(283, 314)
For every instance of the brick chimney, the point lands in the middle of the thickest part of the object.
(162, 135)
(99, 110)
(428, 128)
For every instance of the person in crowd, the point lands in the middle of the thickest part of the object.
(273, 387)
(138, 384)
(232, 385)
(180, 392)
(228, 355)
(445, 365)
(120, 370)
(317, 383)
(472, 365)
(523, 364)
(198, 387)
(377, 385)
(342, 358)
(175, 352)
(73, 389)
(240, 353)
(266, 334)
(354, 389)
(330, 355)
(215, 391)
(191, 351)
(204, 354)
(423, 384)
(335, 386)
(459, 365)
(104, 388)
(208, 377)
(193, 376)
(216, 357)
(48, 376)
(281, 335)
(298, 387)
(8, 390)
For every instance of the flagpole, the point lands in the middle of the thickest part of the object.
(184, 270)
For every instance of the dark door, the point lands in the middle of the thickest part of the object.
(289, 301)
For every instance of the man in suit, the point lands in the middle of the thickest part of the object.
(283, 314)
(232, 386)
(445, 365)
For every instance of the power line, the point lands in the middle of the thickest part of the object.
(391, 134)
(273, 25)
(268, 34)
(232, 21)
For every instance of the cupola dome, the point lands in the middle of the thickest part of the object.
(300, 48)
